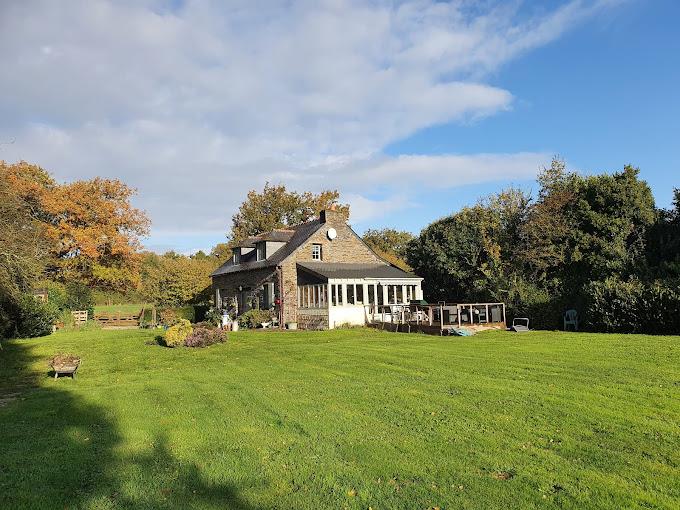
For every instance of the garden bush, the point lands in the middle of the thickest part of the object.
(79, 297)
(204, 336)
(72, 296)
(34, 318)
(253, 318)
(177, 334)
(6, 321)
(213, 316)
(633, 306)
(171, 316)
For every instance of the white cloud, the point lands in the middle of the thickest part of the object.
(197, 103)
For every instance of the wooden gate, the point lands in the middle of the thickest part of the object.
(118, 319)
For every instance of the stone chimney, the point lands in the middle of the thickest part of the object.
(332, 216)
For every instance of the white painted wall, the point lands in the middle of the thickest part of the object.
(355, 315)
(348, 314)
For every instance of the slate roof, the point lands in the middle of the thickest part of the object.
(340, 270)
(248, 243)
(278, 235)
(298, 235)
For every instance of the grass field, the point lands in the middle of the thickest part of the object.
(122, 308)
(346, 419)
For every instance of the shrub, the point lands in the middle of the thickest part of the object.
(633, 306)
(34, 318)
(6, 322)
(213, 316)
(204, 336)
(171, 316)
(177, 334)
(79, 297)
(253, 318)
(168, 317)
(72, 296)
(187, 312)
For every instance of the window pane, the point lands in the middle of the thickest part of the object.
(350, 294)
(381, 295)
(340, 300)
(400, 294)
(334, 295)
(360, 294)
(371, 294)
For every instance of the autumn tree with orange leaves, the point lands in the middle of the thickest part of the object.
(91, 228)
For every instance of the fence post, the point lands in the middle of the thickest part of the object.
(441, 319)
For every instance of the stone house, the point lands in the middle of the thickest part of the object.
(319, 274)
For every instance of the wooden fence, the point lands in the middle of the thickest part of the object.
(437, 319)
(79, 317)
(119, 319)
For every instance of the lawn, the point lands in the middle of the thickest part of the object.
(122, 308)
(346, 419)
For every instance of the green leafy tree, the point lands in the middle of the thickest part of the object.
(663, 243)
(176, 280)
(390, 244)
(22, 253)
(222, 251)
(276, 207)
(611, 214)
(458, 256)
(546, 236)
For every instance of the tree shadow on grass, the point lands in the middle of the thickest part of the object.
(58, 451)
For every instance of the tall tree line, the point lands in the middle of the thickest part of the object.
(584, 242)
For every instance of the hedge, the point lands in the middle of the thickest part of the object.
(633, 306)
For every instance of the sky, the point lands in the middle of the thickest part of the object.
(410, 109)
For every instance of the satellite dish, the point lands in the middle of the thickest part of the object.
(332, 234)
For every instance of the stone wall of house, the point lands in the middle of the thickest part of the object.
(308, 319)
(347, 247)
(229, 283)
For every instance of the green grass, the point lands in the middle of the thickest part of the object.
(122, 308)
(346, 419)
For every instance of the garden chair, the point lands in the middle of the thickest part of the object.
(520, 324)
(571, 318)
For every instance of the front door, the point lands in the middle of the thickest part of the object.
(243, 302)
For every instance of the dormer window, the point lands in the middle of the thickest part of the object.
(237, 256)
(316, 252)
(261, 251)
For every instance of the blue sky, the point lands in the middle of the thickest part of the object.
(411, 109)
(604, 95)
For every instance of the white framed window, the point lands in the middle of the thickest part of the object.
(237, 256)
(316, 252)
(261, 251)
(312, 296)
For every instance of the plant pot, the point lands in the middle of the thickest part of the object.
(234, 326)
(291, 325)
